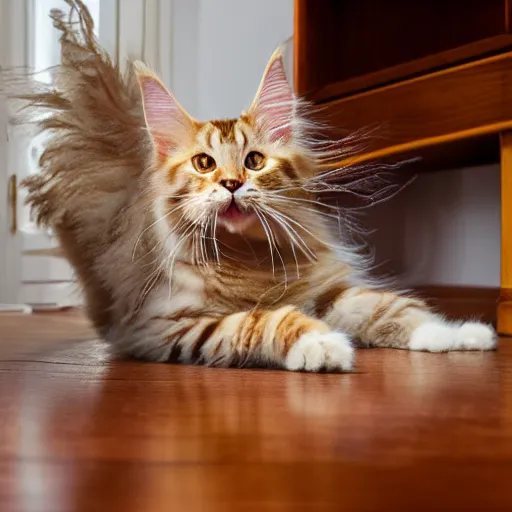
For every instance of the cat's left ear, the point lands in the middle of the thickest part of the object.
(274, 105)
(167, 121)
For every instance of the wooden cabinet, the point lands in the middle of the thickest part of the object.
(434, 77)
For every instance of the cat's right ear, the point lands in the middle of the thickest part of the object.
(168, 123)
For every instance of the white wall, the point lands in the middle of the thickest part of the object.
(185, 53)
(236, 38)
(443, 229)
(221, 49)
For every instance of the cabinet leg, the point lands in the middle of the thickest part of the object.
(505, 301)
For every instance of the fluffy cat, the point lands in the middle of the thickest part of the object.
(206, 242)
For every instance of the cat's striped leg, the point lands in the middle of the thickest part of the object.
(284, 338)
(386, 319)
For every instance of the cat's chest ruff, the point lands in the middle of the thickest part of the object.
(249, 289)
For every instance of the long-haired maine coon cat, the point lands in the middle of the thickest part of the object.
(206, 242)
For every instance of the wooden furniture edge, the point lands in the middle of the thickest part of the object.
(428, 76)
(496, 126)
(396, 75)
(505, 302)
(459, 302)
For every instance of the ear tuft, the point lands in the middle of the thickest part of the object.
(274, 105)
(168, 123)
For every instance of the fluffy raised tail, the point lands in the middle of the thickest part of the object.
(95, 151)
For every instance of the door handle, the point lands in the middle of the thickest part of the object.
(13, 202)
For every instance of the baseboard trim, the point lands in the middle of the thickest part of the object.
(458, 302)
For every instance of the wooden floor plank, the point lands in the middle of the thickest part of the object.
(80, 431)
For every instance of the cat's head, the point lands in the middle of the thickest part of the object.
(242, 175)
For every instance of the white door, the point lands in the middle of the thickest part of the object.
(28, 39)
(131, 28)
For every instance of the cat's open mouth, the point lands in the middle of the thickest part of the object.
(232, 212)
(234, 219)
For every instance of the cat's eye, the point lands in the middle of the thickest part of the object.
(204, 163)
(254, 161)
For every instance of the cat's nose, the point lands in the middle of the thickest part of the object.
(231, 185)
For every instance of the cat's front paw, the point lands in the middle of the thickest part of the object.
(443, 337)
(315, 351)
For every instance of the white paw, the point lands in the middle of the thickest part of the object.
(442, 337)
(475, 336)
(316, 351)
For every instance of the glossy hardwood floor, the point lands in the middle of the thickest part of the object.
(406, 431)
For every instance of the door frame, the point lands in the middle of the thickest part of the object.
(13, 52)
